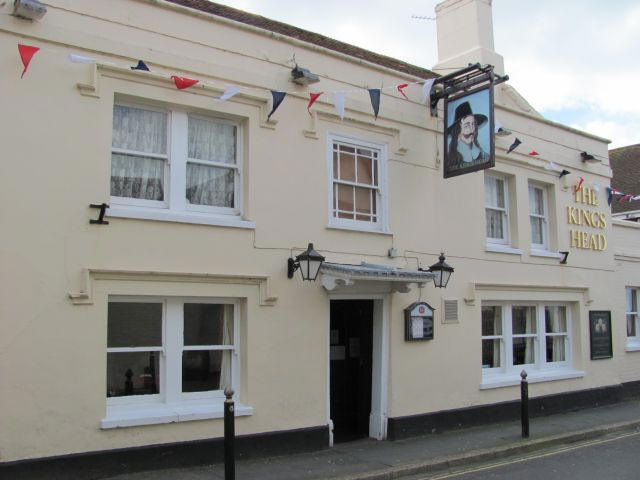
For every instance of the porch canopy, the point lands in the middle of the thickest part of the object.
(339, 276)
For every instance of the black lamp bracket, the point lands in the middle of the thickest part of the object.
(103, 208)
(463, 80)
(292, 266)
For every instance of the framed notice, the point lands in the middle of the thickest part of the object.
(600, 334)
(468, 134)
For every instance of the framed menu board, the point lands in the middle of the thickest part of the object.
(600, 334)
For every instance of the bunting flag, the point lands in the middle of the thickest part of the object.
(609, 195)
(533, 153)
(625, 198)
(564, 172)
(497, 126)
(26, 54)
(278, 97)
(551, 166)
(80, 58)
(183, 82)
(141, 66)
(401, 88)
(338, 103)
(312, 98)
(374, 94)
(595, 186)
(579, 186)
(426, 88)
(514, 145)
(229, 91)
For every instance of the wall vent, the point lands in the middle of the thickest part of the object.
(450, 311)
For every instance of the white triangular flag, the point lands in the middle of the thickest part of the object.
(229, 91)
(338, 103)
(426, 88)
(551, 166)
(595, 186)
(497, 125)
(80, 58)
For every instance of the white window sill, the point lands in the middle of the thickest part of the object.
(545, 253)
(363, 228)
(153, 414)
(496, 247)
(511, 379)
(633, 345)
(163, 215)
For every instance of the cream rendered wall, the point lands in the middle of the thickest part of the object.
(53, 372)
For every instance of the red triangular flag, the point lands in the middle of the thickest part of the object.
(312, 98)
(401, 88)
(533, 153)
(183, 82)
(26, 53)
(577, 187)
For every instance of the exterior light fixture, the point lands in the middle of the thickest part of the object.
(442, 271)
(303, 76)
(587, 157)
(502, 132)
(29, 9)
(308, 262)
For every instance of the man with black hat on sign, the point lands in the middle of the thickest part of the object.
(464, 149)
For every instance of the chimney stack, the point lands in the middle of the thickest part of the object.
(465, 35)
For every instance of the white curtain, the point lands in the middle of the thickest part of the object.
(227, 339)
(140, 131)
(529, 354)
(210, 141)
(494, 197)
(557, 321)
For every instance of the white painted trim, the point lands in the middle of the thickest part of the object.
(533, 376)
(131, 416)
(379, 364)
(498, 248)
(165, 215)
(544, 253)
(632, 346)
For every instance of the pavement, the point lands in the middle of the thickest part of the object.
(370, 459)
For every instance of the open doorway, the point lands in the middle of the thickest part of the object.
(351, 351)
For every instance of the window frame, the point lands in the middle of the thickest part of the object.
(175, 203)
(544, 246)
(633, 341)
(381, 224)
(170, 362)
(506, 224)
(540, 364)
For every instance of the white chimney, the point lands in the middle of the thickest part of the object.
(465, 35)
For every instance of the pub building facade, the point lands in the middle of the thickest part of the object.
(122, 326)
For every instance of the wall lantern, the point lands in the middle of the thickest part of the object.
(303, 76)
(29, 9)
(588, 157)
(308, 262)
(443, 272)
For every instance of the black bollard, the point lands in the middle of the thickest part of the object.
(229, 436)
(524, 404)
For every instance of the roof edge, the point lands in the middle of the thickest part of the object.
(406, 69)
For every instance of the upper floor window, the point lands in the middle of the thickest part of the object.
(633, 318)
(539, 217)
(174, 160)
(357, 181)
(496, 194)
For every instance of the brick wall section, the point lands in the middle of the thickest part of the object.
(304, 35)
(625, 163)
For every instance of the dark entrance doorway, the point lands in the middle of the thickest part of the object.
(351, 345)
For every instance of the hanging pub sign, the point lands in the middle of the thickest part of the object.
(468, 118)
(418, 322)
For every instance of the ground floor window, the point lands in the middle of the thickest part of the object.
(633, 318)
(168, 350)
(535, 336)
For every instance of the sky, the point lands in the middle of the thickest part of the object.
(576, 62)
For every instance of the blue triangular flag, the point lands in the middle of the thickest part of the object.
(609, 195)
(374, 94)
(278, 97)
(514, 145)
(141, 66)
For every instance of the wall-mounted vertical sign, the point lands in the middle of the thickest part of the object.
(418, 322)
(468, 145)
(600, 334)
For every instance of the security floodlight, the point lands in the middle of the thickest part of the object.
(303, 76)
(29, 9)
